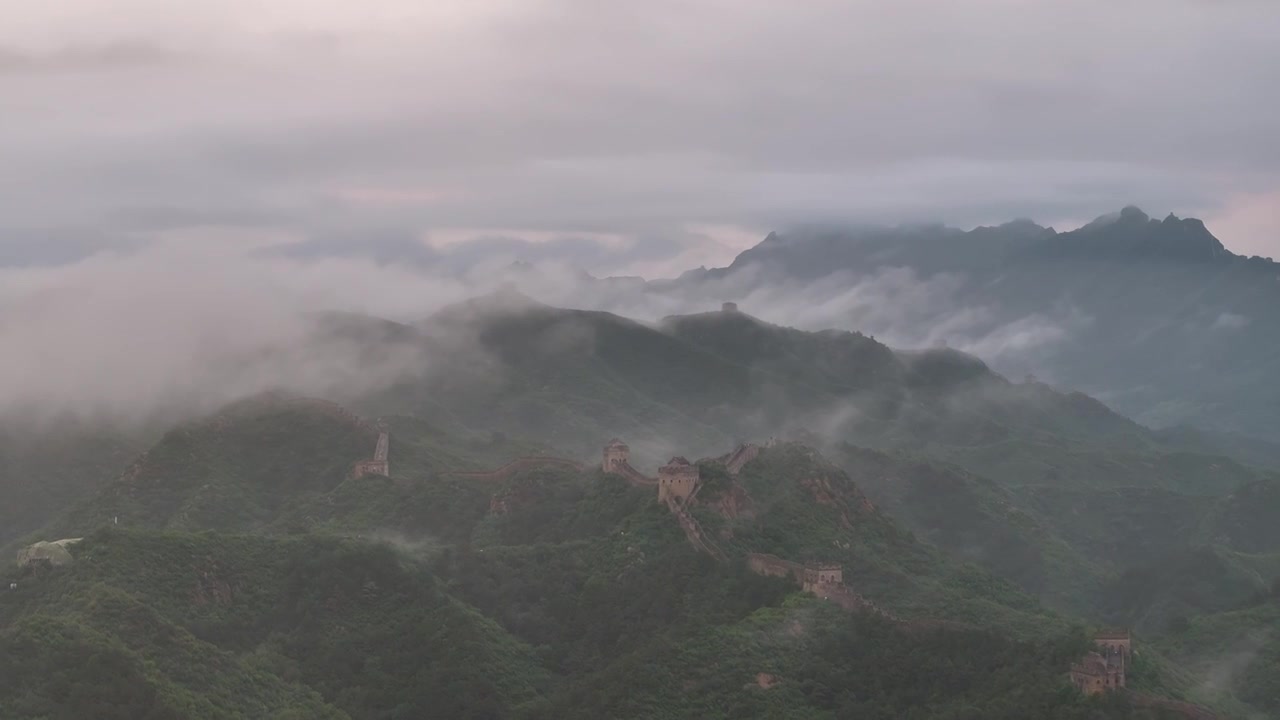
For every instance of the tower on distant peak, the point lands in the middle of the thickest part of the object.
(729, 307)
(616, 455)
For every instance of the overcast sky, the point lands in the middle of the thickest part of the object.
(630, 137)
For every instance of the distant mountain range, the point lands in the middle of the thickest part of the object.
(1154, 317)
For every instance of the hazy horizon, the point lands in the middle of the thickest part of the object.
(634, 141)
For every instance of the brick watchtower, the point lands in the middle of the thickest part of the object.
(616, 455)
(677, 480)
(819, 574)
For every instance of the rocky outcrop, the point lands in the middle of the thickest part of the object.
(824, 494)
(733, 503)
(693, 531)
(53, 553)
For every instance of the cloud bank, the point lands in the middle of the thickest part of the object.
(583, 118)
(189, 323)
(179, 182)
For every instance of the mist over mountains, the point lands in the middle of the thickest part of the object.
(971, 509)
(1154, 317)
(676, 360)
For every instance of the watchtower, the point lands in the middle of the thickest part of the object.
(1113, 642)
(1090, 674)
(817, 575)
(729, 307)
(616, 455)
(677, 480)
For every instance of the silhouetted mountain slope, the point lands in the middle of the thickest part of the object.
(1246, 518)
(951, 406)
(975, 520)
(235, 470)
(1154, 316)
(1238, 650)
(45, 468)
(279, 463)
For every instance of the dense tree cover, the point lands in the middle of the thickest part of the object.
(1129, 556)
(593, 603)
(45, 468)
(560, 593)
(857, 666)
(210, 626)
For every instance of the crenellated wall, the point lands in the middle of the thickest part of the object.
(379, 465)
(741, 456)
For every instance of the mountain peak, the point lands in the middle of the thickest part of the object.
(504, 301)
(1132, 233)
(1133, 213)
(1128, 215)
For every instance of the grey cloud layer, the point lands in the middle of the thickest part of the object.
(576, 116)
(186, 325)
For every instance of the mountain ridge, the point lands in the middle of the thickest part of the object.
(1155, 316)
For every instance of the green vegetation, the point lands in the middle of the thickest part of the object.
(45, 469)
(1236, 654)
(251, 576)
(213, 626)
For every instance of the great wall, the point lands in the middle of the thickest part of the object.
(617, 460)
(1104, 669)
(678, 484)
(379, 464)
(825, 580)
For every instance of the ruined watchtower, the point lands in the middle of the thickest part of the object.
(1107, 668)
(1113, 642)
(1097, 674)
(616, 455)
(817, 575)
(379, 465)
(677, 480)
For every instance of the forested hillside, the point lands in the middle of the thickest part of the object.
(980, 526)
(577, 596)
